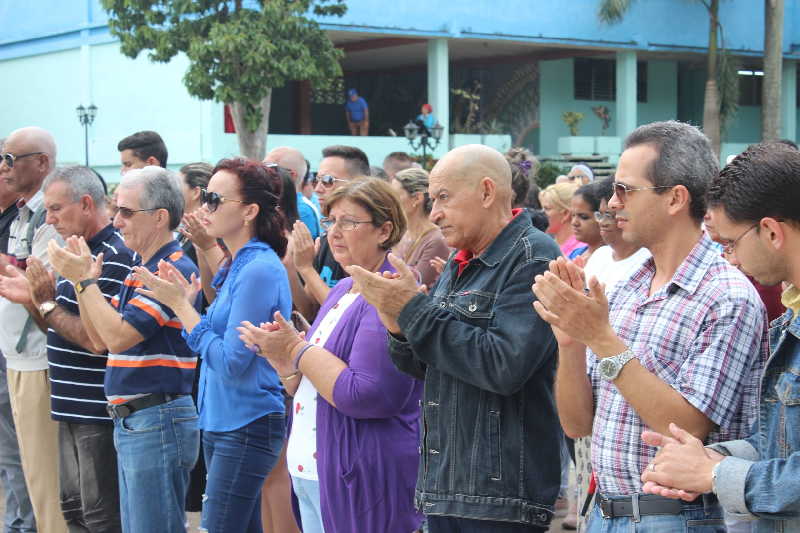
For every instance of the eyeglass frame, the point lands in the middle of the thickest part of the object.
(599, 216)
(327, 177)
(121, 211)
(327, 223)
(205, 196)
(729, 247)
(10, 158)
(618, 185)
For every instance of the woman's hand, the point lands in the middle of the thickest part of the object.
(276, 341)
(194, 230)
(303, 247)
(168, 286)
(437, 263)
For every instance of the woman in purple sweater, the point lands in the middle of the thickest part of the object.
(352, 451)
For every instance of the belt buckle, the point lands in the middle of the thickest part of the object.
(118, 411)
(602, 502)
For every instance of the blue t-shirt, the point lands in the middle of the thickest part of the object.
(308, 215)
(236, 385)
(356, 109)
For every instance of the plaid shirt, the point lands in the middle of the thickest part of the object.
(704, 334)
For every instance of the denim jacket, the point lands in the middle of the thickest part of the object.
(761, 479)
(490, 442)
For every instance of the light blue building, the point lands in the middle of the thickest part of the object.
(550, 57)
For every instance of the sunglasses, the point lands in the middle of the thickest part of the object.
(126, 212)
(10, 158)
(622, 190)
(213, 200)
(327, 180)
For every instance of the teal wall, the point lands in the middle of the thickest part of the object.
(556, 94)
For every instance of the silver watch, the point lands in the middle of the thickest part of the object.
(610, 367)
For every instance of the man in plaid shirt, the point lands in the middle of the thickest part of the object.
(682, 340)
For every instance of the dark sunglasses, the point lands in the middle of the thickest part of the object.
(126, 212)
(213, 200)
(622, 190)
(327, 180)
(10, 158)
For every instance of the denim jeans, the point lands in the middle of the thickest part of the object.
(157, 447)
(694, 518)
(238, 462)
(450, 524)
(19, 512)
(88, 477)
(307, 492)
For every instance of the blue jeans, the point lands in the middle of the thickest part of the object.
(238, 462)
(694, 518)
(19, 512)
(451, 524)
(157, 447)
(307, 492)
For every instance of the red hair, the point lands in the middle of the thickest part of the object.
(427, 107)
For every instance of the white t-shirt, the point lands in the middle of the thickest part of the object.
(301, 452)
(602, 265)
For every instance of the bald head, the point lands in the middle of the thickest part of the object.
(471, 163)
(32, 139)
(289, 158)
(34, 157)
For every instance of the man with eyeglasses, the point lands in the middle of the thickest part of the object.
(293, 160)
(682, 340)
(753, 208)
(150, 369)
(28, 156)
(317, 269)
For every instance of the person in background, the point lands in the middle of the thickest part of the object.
(141, 149)
(427, 119)
(580, 174)
(395, 162)
(292, 160)
(556, 201)
(241, 404)
(378, 172)
(423, 240)
(308, 189)
(355, 432)
(584, 204)
(524, 167)
(356, 112)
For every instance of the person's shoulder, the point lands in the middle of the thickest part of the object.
(538, 245)
(183, 263)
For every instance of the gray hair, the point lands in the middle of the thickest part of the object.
(160, 190)
(414, 180)
(684, 158)
(82, 181)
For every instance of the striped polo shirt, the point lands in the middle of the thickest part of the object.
(76, 375)
(162, 362)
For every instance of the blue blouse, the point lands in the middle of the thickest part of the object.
(236, 385)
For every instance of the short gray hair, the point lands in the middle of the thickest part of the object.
(82, 181)
(684, 158)
(159, 191)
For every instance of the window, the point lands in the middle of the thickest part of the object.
(596, 79)
(750, 84)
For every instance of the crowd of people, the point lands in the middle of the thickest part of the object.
(387, 350)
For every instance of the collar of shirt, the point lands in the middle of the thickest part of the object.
(172, 250)
(791, 300)
(34, 203)
(464, 256)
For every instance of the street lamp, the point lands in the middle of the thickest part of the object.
(421, 137)
(86, 117)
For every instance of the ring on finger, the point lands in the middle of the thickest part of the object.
(652, 467)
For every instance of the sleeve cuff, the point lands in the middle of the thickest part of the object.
(736, 448)
(193, 339)
(730, 485)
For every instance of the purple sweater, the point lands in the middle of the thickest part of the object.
(367, 446)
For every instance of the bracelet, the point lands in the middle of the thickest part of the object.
(290, 376)
(297, 357)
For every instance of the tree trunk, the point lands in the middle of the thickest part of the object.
(773, 70)
(711, 121)
(252, 144)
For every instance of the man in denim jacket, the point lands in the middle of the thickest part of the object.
(490, 448)
(754, 207)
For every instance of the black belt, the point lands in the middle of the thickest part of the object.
(121, 410)
(648, 504)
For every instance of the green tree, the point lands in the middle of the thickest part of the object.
(720, 102)
(237, 54)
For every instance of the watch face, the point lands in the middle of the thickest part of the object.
(607, 368)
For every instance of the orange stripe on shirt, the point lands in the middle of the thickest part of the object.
(153, 312)
(152, 362)
(177, 324)
(176, 255)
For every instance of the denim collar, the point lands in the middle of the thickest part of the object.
(504, 243)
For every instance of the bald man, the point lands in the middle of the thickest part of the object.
(29, 155)
(293, 160)
(490, 452)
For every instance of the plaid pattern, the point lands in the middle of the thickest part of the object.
(704, 334)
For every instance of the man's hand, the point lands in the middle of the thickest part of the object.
(387, 292)
(41, 282)
(74, 260)
(303, 247)
(14, 285)
(682, 469)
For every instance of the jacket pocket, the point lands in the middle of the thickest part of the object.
(495, 472)
(788, 388)
(477, 306)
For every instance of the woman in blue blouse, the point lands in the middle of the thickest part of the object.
(240, 400)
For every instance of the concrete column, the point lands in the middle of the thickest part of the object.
(789, 100)
(626, 93)
(439, 87)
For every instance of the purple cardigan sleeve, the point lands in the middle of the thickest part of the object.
(371, 386)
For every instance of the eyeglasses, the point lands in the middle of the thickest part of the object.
(622, 190)
(599, 216)
(126, 212)
(730, 246)
(10, 158)
(344, 224)
(327, 180)
(213, 200)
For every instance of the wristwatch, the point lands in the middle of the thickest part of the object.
(46, 307)
(610, 367)
(82, 285)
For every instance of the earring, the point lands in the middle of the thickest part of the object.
(246, 222)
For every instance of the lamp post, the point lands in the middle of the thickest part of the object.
(86, 117)
(420, 137)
